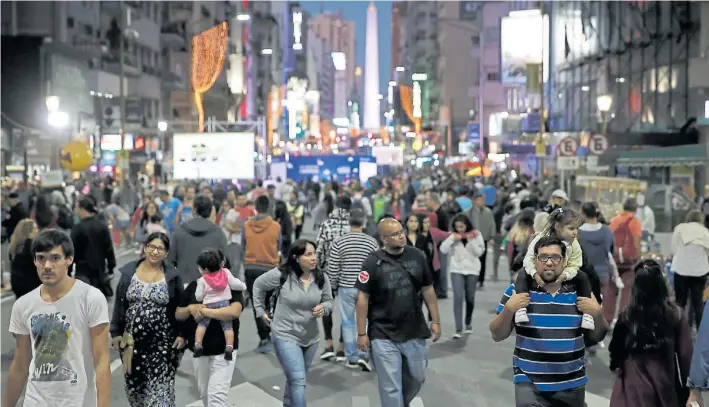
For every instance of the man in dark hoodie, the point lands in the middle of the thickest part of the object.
(260, 240)
(193, 236)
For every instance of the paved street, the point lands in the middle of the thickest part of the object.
(473, 371)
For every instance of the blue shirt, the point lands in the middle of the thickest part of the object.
(549, 350)
(168, 210)
(490, 194)
(464, 202)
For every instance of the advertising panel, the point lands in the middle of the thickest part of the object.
(388, 155)
(323, 167)
(522, 37)
(213, 155)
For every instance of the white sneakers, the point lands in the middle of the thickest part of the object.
(587, 321)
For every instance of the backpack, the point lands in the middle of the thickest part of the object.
(274, 296)
(624, 251)
(65, 218)
(357, 204)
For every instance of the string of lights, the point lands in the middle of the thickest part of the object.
(208, 55)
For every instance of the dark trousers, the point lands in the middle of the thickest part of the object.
(264, 331)
(527, 395)
(691, 288)
(483, 266)
(298, 231)
(327, 325)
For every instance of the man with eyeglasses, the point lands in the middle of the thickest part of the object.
(548, 360)
(390, 286)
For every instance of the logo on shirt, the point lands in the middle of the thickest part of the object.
(363, 277)
(51, 333)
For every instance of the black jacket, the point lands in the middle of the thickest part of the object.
(175, 290)
(93, 247)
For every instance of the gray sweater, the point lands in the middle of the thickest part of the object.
(293, 318)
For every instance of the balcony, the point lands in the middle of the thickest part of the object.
(173, 35)
(112, 64)
(91, 47)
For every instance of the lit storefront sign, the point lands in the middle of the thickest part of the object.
(417, 100)
(297, 30)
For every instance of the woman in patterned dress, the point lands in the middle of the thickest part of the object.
(148, 294)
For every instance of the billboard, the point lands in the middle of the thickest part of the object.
(323, 167)
(213, 155)
(522, 37)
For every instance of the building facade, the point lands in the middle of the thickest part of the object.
(339, 34)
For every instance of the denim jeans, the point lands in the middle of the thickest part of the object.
(464, 287)
(443, 275)
(295, 361)
(401, 370)
(527, 395)
(348, 305)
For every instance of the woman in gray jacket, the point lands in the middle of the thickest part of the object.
(301, 295)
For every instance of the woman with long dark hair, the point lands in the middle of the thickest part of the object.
(43, 214)
(651, 348)
(23, 272)
(302, 294)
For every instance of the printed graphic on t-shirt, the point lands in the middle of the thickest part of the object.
(51, 333)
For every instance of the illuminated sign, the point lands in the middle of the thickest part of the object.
(297, 30)
(417, 100)
(339, 61)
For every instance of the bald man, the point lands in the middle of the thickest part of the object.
(390, 286)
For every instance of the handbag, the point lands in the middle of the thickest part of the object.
(128, 341)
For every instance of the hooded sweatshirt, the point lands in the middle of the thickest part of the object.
(188, 241)
(261, 240)
(596, 242)
(338, 224)
(216, 287)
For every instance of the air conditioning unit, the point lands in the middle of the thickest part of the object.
(111, 117)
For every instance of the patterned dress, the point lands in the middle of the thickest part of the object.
(151, 382)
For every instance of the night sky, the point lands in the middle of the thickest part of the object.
(357, 11)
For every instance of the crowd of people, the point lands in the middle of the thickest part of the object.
(381, 252)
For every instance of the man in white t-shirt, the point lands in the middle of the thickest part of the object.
(61, 329)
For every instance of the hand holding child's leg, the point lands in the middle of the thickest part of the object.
(583, 289)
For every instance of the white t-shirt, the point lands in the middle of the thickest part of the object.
(62, 369)
(233, 216)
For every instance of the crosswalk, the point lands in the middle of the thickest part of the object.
(249, 395)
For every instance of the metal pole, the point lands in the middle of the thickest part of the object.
(263, 128)
(541, 100)
(121, 79)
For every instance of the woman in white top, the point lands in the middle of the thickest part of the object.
(690, 264)
(463, 249)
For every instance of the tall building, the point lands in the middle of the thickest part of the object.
(371, 118)
(398, 35)
(340, 37)
(422, 54)
(321, 71)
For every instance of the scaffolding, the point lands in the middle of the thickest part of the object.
(639, 52)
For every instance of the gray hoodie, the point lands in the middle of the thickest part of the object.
(188, 241)
(596, 241)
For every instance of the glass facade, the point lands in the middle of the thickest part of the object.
(637, 51)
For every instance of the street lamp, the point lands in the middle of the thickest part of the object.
(266, 51)
(56, 118)
(162, 125)
(604, 103)
(419, 77)
(399, 69)
(243, 17)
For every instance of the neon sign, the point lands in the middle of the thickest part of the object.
(297, 30)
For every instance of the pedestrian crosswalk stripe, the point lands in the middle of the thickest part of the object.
(247, 394)
(593, 400)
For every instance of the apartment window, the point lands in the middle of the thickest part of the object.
(88, 30)
(475, 39)
(493, 76)
(492, 35)
(70, 22)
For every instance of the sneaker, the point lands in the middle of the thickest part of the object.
(340, 356)
(364, 364)
(229, 353)
(468, 329)
(521, 316)
(198, 351)
(351, 365)
(587, 322)
(457, 335)
(328, 354)
(264, 346)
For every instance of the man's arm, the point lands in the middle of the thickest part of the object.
(362, 310)
(99, 343)
(501, 326)
(429, 296)
(228, 313)
(19, 370)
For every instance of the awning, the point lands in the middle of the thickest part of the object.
(691, 154)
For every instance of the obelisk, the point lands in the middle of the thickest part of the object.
(371, 73)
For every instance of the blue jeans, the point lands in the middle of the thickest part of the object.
(348, 305)
(443, 275)
(401, 370)
(295, 361)
(464, 287)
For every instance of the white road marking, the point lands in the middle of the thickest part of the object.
(247, 394)
(417, 402)
(360, 401)
(593, 400)
(115, 365)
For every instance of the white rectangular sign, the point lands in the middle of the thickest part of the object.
(213, 155)
(567, 163)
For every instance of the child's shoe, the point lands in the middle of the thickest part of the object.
(587, 322)
(521, 316)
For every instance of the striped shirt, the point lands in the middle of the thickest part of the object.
(346, 256)
(549, 350)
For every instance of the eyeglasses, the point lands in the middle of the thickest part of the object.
(555, 258)
(396, 234)
(155, 249)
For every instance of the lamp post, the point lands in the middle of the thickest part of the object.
(604, 103)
